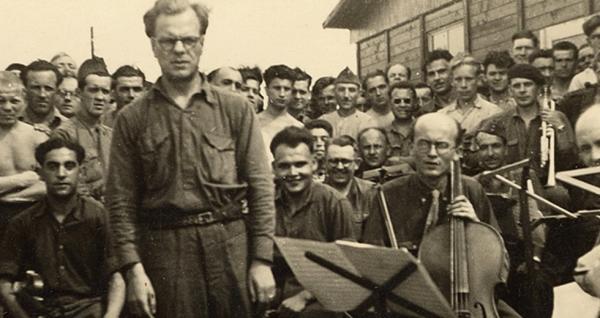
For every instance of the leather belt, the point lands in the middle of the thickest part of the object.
(175, 218)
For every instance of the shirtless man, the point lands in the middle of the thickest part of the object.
(20, 185)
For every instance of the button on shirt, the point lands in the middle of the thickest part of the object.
(470, 118)
(71, 257)
(190, 160)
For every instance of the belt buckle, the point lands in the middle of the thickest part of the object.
(206, 217)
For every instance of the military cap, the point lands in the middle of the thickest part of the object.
(493, 127)
(591, 24)
(526, 71)
(94, 65)
(346, 76)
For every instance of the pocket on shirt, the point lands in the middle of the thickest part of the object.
(220, 158)
(155, 153)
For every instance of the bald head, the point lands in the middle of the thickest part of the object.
(439, 122)
(587, 135)
(9, 81)
(12, 99)
(226, 77)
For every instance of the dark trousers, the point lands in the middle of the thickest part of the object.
(198, 271)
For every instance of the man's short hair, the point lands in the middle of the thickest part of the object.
(292, 136)
(319, 123)
(408, 70)
(56, 143)
(128, 71)
(9, 79)
(301, 75)
(526, 34)
(214, 72)
(541, 54)
(16, 67)
(566, 46)
(41, 66)
(422, 85)
(465, 59)
(170, 7)
(320, 84)
(583, 46)
(403, 85)
(59, 55)
(344, 141)
(93, 66)
(378, 129)
(251, 73)
(590, 25)
(438, 55)
(501, 59)
(374, 74)
(278, 71)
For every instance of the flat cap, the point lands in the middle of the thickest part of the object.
(346, 76)
(526, 71)
(94, 65)
(493, 127)
(591, 24)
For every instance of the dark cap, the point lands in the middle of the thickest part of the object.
(591, 24)
(346, 76)
(94, 65)
(493, 127)
(526, 71)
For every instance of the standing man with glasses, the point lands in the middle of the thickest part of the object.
(185, 160)
(67, 98)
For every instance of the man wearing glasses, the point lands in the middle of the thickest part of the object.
(399, 133)
(67, 98)
(86, 129)
(189, 188)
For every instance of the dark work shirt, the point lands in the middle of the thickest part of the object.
(71, 257)
(359, 196)
(408, 200)
(189, 160)
(399, 144)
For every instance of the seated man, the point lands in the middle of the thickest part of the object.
(64, 238)
(374, 148)
(20, 185)
(303, 209)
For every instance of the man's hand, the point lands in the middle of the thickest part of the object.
(461, 207)
(140, 294)
(295, 304)
(552, 117)
(261, 282)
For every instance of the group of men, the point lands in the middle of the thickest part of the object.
(167, 196)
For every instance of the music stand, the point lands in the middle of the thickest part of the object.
(346, 276)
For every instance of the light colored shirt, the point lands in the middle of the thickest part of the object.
(471, 117)
(270, 125)
(350, 125)
(382, 120)
(586, 76)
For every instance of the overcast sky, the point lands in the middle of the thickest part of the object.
(241, 32)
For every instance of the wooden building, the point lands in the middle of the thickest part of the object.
(388, 31)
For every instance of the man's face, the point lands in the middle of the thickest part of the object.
(586, 57)
(402, 103)
(229, 78)
(377, 92)
(588, 143)
(438, 76)
(524, 91)
(497, 78)
(373, 149)
(361, 103)
(128, 88)
(464, 81)
(594, 40)
(320, 142)
(279, 92)
(545, 66)
(251, 89)
(434, 148)
(492, 151)
(67, 97)
(300, 95)
(95, 95)
(327, 99)
(346, 95)
(66, 65)
(294, 167)
(177, 45)
(41, 88)
(341, 164)
(60, 171)
(564, 64)
(522, 49)
(397, 73)
(12, 103)
(425, 98)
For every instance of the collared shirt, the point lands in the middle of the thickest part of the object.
(95, 140)
(270, 126)
(579, 81)
(71, 257)
(359, 196)
(350, 125)
(472, 117)
(198, 158)
(399, 143)
(381, 120)
(408, 200)
(53, 120)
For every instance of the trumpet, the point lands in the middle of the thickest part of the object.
(547, 140)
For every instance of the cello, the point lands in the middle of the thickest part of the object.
(466, 260)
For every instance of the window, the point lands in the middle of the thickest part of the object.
(566, 31)
(451, 38)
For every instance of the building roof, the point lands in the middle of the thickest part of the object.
(346, 14)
